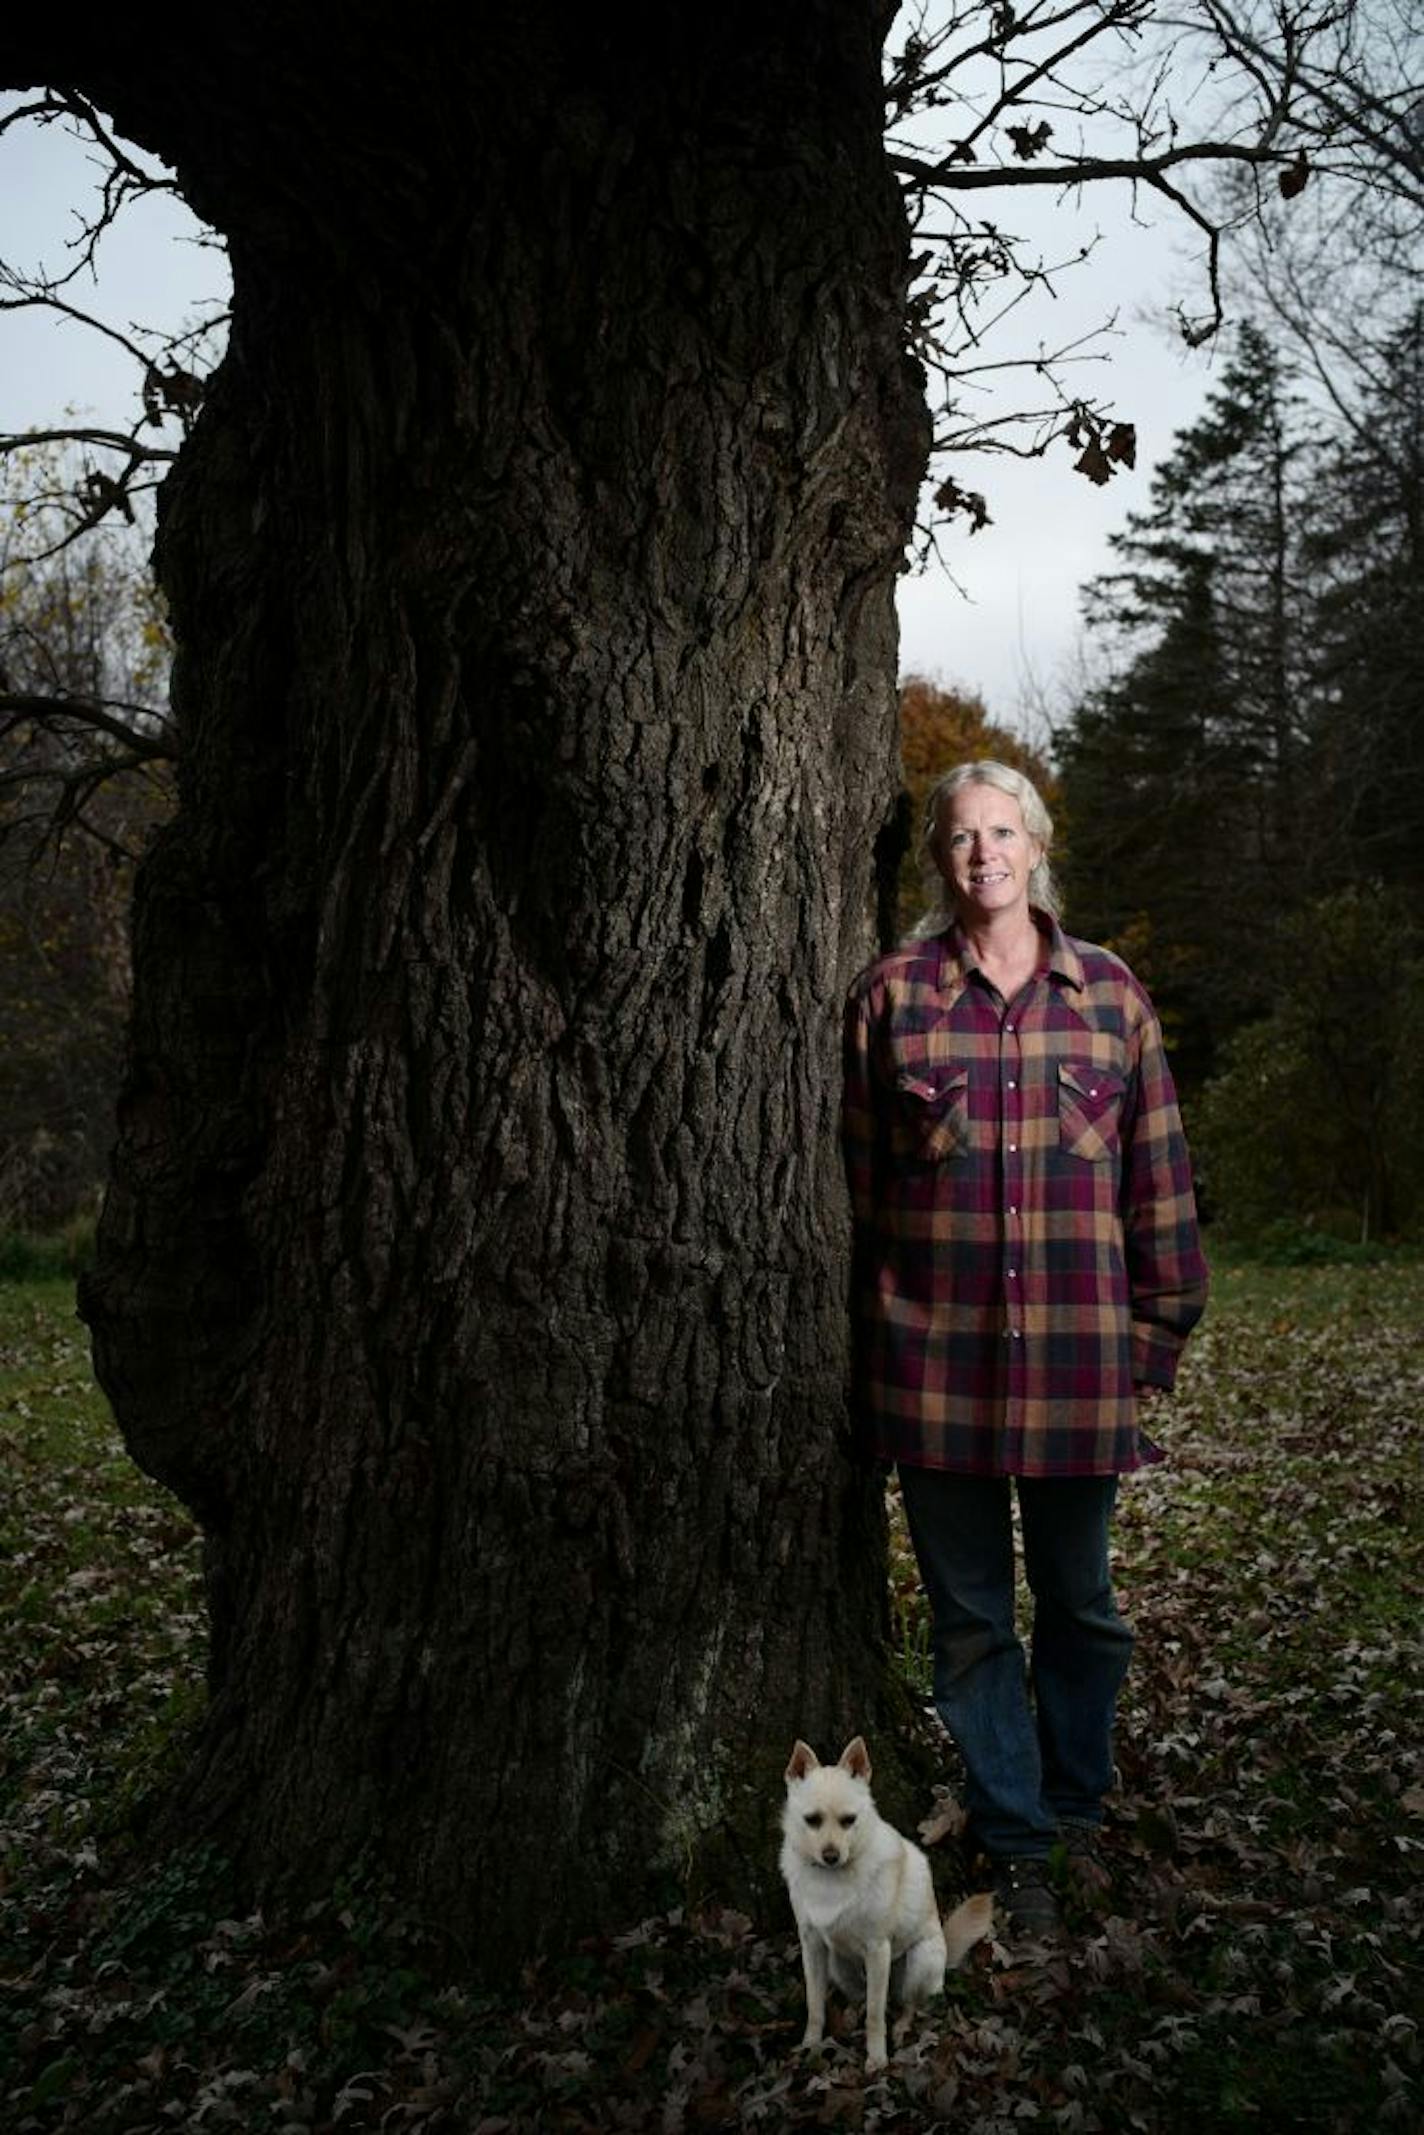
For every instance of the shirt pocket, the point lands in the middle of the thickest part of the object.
(931, 1116)
(1089, 1110)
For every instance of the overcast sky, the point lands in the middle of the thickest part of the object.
(1012, 629)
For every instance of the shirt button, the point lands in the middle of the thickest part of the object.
(1013, 1148)
(1012, 1273)
(1014, 1086)
(1013, 1211)
(1016, 1334)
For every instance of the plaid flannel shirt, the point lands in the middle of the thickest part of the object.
(1026, 1248)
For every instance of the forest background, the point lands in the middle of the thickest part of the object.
(1237, 775)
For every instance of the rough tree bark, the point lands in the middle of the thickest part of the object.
(473, 1261)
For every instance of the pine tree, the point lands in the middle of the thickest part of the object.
(1181, 770)
(1368, 554)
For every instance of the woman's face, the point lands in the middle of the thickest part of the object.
(984, 852)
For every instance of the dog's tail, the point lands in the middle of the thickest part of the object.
(967, 1924)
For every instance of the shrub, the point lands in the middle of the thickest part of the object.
(1311, 1127)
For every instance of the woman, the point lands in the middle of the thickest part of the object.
(1027, 1267)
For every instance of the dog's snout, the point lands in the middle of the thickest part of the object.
(830, 1855)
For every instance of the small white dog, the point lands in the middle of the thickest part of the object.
(863, 1898)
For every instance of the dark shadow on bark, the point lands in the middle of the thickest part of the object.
(474, 1260)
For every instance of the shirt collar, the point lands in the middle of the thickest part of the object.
(1064, 961)
(1060, 958)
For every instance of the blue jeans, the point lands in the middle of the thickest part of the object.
(1031, 1762)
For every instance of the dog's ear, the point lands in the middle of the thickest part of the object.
(803, 1760)
(855, 1758)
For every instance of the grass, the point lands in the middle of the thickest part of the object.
(1259, 1968)
(102, 1623)
(26, 1257)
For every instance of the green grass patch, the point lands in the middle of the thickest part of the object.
(101, 1621)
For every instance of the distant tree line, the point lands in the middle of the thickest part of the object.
(85, 774)
(1242, 781)
(1240, 791)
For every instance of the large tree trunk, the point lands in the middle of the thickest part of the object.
(474, 1259)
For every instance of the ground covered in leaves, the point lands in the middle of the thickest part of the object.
(1257, 1967)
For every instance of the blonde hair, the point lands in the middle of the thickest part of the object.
(986, 771)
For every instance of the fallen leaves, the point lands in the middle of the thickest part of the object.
(1257, 1968)
(946, 1820)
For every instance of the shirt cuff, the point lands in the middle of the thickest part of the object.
(1154, 1356)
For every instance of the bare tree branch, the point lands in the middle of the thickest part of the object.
(44, 296)
(145, 735)
(1163, 96)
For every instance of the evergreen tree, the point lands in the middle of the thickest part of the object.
(1368, 554)
(1181, 770)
